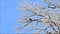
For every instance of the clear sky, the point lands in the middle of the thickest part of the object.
(9, 15)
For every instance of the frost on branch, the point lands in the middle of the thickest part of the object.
(48, 15)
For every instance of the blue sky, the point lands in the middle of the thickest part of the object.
(9, 15)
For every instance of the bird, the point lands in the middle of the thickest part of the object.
(30, 19)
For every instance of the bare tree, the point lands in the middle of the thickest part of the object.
(49, 16)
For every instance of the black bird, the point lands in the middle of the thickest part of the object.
(30, 19)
